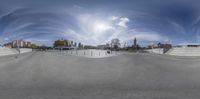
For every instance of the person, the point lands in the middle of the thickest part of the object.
(108, 51)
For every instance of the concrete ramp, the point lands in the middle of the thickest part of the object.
(185, 51)
(9, 51)
(6, 51)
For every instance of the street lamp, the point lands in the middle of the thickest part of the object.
(18, 47)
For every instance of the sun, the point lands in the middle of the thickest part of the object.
(100, 27)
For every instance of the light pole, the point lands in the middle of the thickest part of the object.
(17, 48)
(111, 47)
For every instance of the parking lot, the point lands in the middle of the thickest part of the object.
(58, 75)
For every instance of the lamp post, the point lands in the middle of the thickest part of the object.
(111, 47)
(17, 48)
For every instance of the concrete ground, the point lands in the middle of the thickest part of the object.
(55, 75)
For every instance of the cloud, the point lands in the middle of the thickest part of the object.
(40, 41)
(196, 21)
(177, 27)
(123, 22)
(97, 22)
(114, 18)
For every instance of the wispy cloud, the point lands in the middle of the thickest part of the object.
(96, 22)
(177, 27)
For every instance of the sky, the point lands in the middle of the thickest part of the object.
(95, 22)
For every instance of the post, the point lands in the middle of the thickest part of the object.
(18, 48)
(110, 48)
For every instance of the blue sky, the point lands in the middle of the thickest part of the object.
(98, 21)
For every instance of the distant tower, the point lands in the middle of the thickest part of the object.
(135, 43)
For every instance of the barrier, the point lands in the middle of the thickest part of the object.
(9, 51)
(185, 51)
(92, 53)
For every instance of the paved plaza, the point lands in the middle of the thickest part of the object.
(58, 75)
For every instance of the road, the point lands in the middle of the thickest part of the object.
(55, 75)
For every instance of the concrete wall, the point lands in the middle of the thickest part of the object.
(8, 51)
(156, 50)
(185, 51)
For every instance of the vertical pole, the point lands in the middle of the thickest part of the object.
(111, 48)
(18, 48)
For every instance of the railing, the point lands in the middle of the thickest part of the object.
(91, 53)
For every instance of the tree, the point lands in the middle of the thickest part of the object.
(115, 43)
(33, 46)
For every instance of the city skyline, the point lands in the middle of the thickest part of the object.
(96, 22)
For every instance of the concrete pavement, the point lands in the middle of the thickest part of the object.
(54, 75)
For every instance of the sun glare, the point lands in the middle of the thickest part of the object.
(100, 27)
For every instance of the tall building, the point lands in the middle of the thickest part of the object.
(80, 45)
(18, 43)
(135, 42)
(135, 46)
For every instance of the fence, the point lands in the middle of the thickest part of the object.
(91, 53)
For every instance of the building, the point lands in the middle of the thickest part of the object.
(80, 45)
(8, 45)
(106, 46)
(159, 45)
(18, 43)
(59, 43)
(29, 44)
(64, 44)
